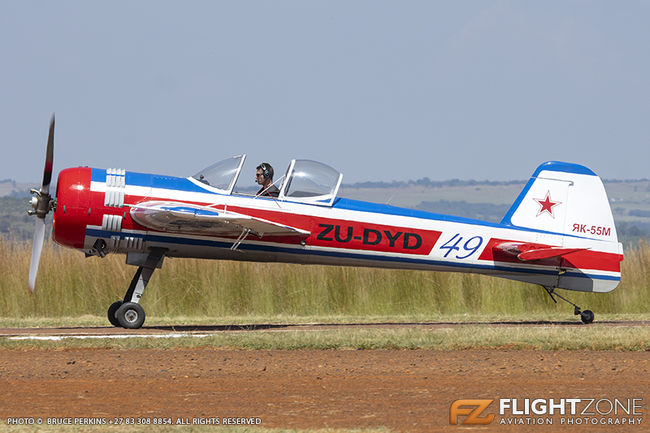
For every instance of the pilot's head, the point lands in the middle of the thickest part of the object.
(264, 173)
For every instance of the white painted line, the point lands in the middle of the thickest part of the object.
(117, 336)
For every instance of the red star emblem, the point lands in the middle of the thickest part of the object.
(546, 205)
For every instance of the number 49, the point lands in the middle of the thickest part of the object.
(471, 245)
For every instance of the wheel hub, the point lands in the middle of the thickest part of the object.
(131, 316)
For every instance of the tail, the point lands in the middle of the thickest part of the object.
(568, 206)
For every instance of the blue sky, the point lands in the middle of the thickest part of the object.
(380, 90)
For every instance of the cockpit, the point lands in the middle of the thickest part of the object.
(305, 181)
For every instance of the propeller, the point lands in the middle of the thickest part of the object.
(42, 203)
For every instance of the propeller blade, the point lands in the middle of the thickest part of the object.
(49, 160)
(37, 247)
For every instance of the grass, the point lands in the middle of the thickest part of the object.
(578, 337)
(70, 285)
(171, 321)
(92, 320)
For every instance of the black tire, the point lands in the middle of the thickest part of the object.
(130, 315)
(111, 313)
(587, 316)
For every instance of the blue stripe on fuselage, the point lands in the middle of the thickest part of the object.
(182, 184)
(152, 181)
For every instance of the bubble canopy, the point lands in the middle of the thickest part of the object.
(305, 181)
(310, 182)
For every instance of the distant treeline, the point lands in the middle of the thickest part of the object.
(629, 231)
(481, 211)
(639, 213)
(9, 187)
(426, 182)
(625, 180)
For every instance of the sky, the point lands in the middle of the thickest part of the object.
(380, 90)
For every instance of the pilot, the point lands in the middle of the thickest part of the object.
(264, 177)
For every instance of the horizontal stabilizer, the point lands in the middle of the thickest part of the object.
(530, 251)
(547, 253)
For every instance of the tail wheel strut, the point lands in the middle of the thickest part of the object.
(587, 316)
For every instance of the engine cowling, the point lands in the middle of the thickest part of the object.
(73, 211)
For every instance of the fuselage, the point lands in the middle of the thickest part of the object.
(96, 205)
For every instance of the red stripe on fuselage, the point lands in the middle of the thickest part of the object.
(587, 259)
(337, 233)
(325, 232)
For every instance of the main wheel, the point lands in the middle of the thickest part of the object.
(130, 315)
(111, 313)
(587, 316)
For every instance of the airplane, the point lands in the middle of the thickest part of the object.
(558, 234)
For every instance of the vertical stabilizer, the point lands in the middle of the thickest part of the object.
(566, 199)
(566, 204)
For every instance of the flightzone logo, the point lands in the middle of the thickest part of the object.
(471, 410)
(548, 411)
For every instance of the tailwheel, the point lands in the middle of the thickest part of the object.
(130, 315)
(587, 316)
(111, 313)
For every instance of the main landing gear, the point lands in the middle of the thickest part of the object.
(587, 316)
(129, 313)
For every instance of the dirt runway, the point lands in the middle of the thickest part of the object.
(404, 390)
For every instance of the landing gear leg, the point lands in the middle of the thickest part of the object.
(129, 313)
(587, 316)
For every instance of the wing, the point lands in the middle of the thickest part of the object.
(186, 218)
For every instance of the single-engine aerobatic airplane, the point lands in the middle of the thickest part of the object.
(559, 233)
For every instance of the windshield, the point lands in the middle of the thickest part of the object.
(221, 175)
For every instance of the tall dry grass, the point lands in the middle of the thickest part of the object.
(69, 284)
